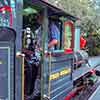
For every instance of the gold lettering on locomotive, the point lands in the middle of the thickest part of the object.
(60, 74)
(65, 72)
(54, 76)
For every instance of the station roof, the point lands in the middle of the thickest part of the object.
(53, 10)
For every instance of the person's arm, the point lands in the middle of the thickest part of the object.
(52, 43)
(55, 36)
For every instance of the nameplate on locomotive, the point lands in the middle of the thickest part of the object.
(60, 74)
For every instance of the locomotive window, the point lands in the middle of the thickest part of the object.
(57, 29)
(59, 45)
(65, 36)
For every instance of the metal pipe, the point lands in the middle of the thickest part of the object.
(22, 56)
(49, 69)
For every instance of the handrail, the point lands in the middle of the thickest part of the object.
(49, 69)
(22, 56)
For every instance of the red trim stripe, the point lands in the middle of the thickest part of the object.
(70, 95)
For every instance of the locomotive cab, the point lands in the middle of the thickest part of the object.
(57, 64)
(60, 67)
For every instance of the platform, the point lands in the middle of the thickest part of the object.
(98, 67)
(95, 95)
(94, 61)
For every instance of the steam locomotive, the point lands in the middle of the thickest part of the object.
(65, 71)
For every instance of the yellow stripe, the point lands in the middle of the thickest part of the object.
(49, 84)
(60, 74)
(22, 78)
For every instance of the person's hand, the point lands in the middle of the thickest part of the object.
(52, 43)
(38, 49)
